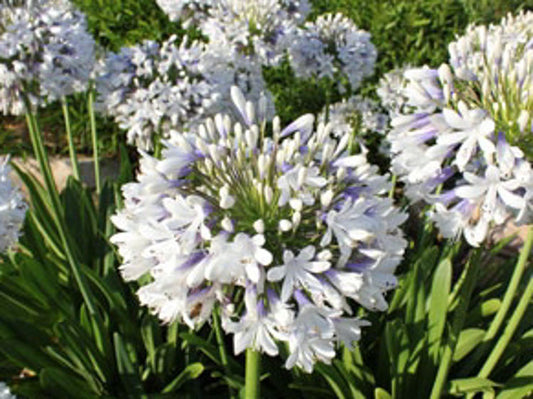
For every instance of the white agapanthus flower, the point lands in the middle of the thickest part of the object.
(12, 208)
(332, 47)
(5, 393)
(286, 219)
(456, 138)
(260, 29)
(391, 90)
(355, 114)
(45, 51)
(227, 67)
(154, 88)
(185, 10)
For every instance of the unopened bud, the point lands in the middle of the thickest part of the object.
(296, 218)
(227, 224)
(296, 204)
(226, 200)
(250, 112)
(341, 174)
(324, 255)
(301, 176)
(285, 225)
(269, 194)
(326, 198)
(259, 226)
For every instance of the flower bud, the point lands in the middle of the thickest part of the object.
(285, 225)
(296, 218)
(250, 112)
(268, 193)
(227, 224)
(296, 204)
(259, 226)
(326, 198)
(226, 200)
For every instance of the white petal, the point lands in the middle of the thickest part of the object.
(510, 199)
(253, 272)
(470, 191)
(451, 138)
(465, 153)
(239, 101)
(286, 289)
(326, 238)
(304, 124)
(241, 341)
(318, 266)
(487, 127)
(307, 253)
(259, 240)
(276, 273)
(455, 120)
(324, 349)
(266, 342)
(486, 146)
(263, 256)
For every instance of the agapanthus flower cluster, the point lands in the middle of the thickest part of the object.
(390, 90)
(5, 393)
(12, 208)
(185, 10)
(281, 229)
(259, 29)
(227, 67)
(153, 88)
(45, 52)
(332, 47)
(453, 142)
(355, 114)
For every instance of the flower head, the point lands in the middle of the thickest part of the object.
(286, 218)
(185, 10)
(454, 138)
(153, 88)
(355, 114)
(391, 90)
(259, 29)
(45, 52)
(332, 47)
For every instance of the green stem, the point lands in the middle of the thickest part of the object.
(393, 187)
(71, 147)
(328, 101)
(506, 303)
(94, 137)
(42, 159)
(470, 275)
(220, 341)
(518, 312)
(253, 365)
(221, 346)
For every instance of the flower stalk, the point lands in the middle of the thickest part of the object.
(70, 139)
(510, 293)
(42, 159)
(253, 366)
(518, 313)
(94, 137)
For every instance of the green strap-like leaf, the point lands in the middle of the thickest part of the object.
(438, 307)
(468, 340)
